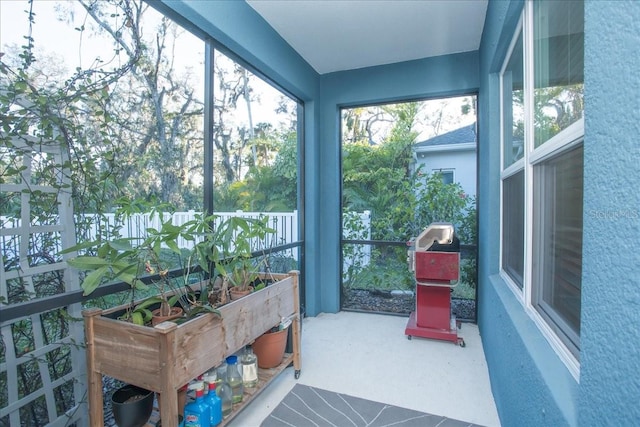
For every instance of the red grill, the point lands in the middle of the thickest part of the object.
(435, 260)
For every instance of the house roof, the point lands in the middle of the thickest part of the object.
(463, 135)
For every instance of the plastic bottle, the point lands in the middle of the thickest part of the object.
(249, 363)
(221, 371)
(223, 390)
(234, 379)
(203, 378)
(197, 413)
(212, 374)
(215, 404)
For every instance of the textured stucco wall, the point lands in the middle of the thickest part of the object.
(530, 385)
(610, 337)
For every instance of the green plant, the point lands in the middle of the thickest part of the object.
(139, 314)
(145, 263)
(232, 255)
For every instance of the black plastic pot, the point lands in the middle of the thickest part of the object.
(132, 406)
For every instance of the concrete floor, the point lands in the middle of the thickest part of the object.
(368, 356)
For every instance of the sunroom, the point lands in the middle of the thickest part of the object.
(130, 131)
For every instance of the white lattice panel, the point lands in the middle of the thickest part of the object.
(42, 367)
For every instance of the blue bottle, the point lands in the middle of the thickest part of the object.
(215, 404)
(197, 413)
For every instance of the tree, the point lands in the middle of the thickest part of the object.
(374, 175)
(379, 178)
(133, 129)
(154, 107)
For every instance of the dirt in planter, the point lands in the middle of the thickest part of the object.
(135, 398)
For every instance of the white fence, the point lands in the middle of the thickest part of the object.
(357, 226)
(285, 225)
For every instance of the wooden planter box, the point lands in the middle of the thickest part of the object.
(165, 357)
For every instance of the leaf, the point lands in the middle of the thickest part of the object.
(121, 244)
(139, 285)
(173, 300)
(204, 309)
(88, 262)
(131, 279)
(148, 302)
(173, 246)
(103, 251)
(136, 317)
(93, 280)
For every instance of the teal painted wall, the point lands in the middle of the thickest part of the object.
(531, 386)
(610, 337)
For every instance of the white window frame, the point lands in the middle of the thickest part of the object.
(513, 168)
(442, 171)
(563, 141)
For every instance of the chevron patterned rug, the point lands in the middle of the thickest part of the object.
(306, 406)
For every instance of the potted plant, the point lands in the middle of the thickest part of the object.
(165, 357)
(232, 257)
(146, 262)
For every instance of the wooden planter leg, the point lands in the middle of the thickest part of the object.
(94, 378)
(297, 357)
(169, 395)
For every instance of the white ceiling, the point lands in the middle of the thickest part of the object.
(336, 35)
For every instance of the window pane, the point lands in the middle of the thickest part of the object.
(513, 227)
(557, 277)
(255, 142)
(513, 106)
(255, 158)
(447, 176)
(559, 66)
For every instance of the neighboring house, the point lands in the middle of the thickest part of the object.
(453, 154)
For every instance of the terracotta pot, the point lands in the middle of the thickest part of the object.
(176, 312)
(269, 348)
(236, 294)
(131, 406)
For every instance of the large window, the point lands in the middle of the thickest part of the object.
(543, 106)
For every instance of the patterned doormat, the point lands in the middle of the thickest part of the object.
(309, 406)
